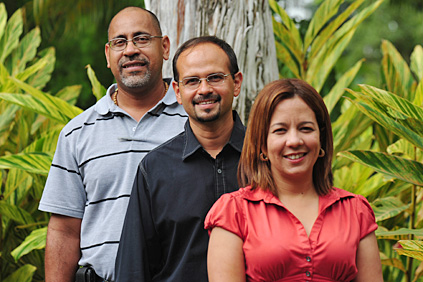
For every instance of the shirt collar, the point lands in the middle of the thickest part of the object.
(106, 104)
(236, 140)
(266, 196)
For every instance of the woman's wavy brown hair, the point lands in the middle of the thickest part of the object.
(255, 172)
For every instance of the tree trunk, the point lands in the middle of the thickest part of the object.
(245, 24)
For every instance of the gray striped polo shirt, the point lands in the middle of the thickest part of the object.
(94, 167)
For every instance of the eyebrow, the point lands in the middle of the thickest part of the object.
(133, 35)
(284, 124)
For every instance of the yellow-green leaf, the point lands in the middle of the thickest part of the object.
(98, 89)
(34, 241)
(15, 213)
(10, 39)
(23, 274)
(416, 63)
(411, 248)
(407, 170)
(38, 162)
(385, 208)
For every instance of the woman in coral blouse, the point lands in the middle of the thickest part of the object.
(289, 223)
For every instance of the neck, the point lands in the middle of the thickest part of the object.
(136, 102)
(213, 136)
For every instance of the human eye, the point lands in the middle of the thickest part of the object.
(215, 77)
(307, 128)
(118, 42)
(191, 81)
(141, 39)
(279, 130)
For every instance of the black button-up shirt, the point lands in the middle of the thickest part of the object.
(163, 237)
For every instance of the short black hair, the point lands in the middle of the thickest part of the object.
(233, 63)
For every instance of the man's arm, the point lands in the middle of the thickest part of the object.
(62, 248)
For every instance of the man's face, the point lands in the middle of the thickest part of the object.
(206, 103)
(136, 67)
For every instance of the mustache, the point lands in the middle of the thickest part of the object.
(208, 97)
(133, 59)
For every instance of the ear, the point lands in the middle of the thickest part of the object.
(237, 81)
(175, 86)
(166, 47)
(106, 51)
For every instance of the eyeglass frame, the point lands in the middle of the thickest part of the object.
(135, 44)
(204, 78)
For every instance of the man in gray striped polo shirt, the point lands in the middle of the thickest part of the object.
(97, 155)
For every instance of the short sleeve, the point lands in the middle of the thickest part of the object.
(227, 213)
(366, 217)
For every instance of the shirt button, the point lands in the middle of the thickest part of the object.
(134, 128)
(219, 171)
(308, 259)
(308, 273)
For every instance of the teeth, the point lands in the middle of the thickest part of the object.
(206, 103)
(295, 157)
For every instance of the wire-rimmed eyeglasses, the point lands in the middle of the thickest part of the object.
(140, 41)
(214, 79)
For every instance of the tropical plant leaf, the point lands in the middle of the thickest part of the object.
(34, 241)
(37, 162)
(405, 149)
(285, 56)
(324, 14)
(26, 51)
(390, 120)
(411, 248)
(406, 170)
(398, 234)
(3, 19)
(418, 98)
(416, 63)
(70, 94)
(23, 274)
(98, 89)
(331, 27)
(396, 71)
(339, 88)
(15, 213)
(40, 78)
(388, 207)
(10, 39)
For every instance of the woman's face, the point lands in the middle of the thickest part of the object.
(293, 141)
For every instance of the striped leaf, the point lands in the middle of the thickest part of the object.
(34, 241)
(392, 166)
(393, 262)
(418, 98)
(396, 72)
(25, 52)
(322, 64)
(284, 56)
(98, 89)
(411, 248)
(390, 119)
(40, 79)
(38, 163)
(385, 208)
(10, 39)
(70, 94)
(3, 18)
(416, 61)
(23, 274)
(321, 17)
(332, 26)
(400, 233)
(15, 213)
(332, 98)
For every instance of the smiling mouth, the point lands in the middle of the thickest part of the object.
(140, 64)
(295, 157)
(206, 102)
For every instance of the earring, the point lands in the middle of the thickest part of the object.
(322, 153)
(263, 157)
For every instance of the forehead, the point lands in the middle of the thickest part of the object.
(202, 60)
(130, 22)
(293, 109)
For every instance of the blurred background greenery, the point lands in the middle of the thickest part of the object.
(78, 31)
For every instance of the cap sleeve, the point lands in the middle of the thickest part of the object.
(226, 213)
(366, 216)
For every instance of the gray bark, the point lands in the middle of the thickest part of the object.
(245, 24)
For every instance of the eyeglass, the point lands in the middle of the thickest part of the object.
(140, 41)
(214, 79)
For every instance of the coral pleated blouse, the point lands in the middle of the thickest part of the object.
(276, 246)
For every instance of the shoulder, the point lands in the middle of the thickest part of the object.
(165, 151)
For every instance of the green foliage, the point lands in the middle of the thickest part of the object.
(398, 112)
(30, 122)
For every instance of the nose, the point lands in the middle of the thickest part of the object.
(294, 138)
(204, 87)
(130, 48)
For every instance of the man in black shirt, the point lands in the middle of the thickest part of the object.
(163, 237)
